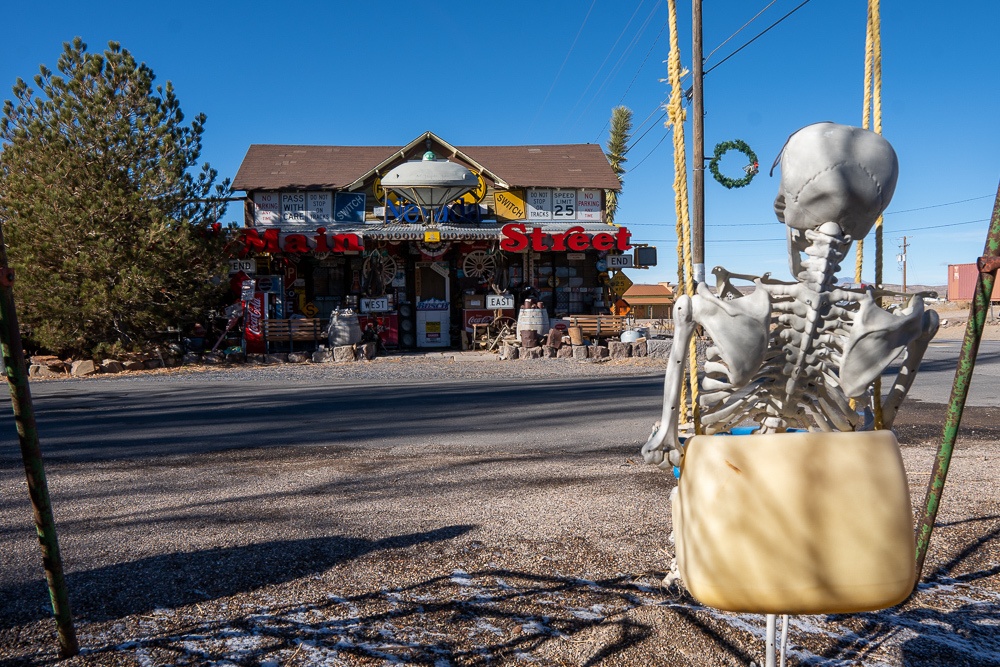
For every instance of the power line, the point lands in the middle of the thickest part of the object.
(621, 58)
(565, 60)
(636, 165)
(604, 62)
(756, 16)
(924, 208)
(950, 224)
(759, 35)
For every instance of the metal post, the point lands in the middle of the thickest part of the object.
(31, 454)
(988, 265)
(698, 148)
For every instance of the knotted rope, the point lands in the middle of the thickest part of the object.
(685, 261)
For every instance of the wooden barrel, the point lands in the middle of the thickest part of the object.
(536, 319)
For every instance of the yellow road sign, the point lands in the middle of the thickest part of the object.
(620, 283)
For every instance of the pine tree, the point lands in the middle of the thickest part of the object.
(103, 206)
(621, 129)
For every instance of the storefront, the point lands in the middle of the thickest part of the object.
(324, 234)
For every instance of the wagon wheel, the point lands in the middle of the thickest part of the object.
(379, 269)
(480, 264)
(499, 330)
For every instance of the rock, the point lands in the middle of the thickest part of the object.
(549, 351)
(276, 358)
(153, 364)
(134, 365)
(532, 352)
(659, 349)
(565, 352)
(192, 358)
(213, 358)
(367, 351)
(579, 351)
(298, 357)
(322, 356)
(597, 352)
(639, 348)
(510, 351)
(618, 349)
(236, 357)
(112, 366)
(255, 358)
(51, 362)
(555, 338)
(83, 368)
(343, 353)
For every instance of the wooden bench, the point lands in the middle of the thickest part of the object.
(291, 331)
(598, 326)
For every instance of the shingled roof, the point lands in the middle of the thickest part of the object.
(278, 166)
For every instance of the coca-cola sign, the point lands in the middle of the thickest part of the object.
(480, 316)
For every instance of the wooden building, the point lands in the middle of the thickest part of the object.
(325, 235)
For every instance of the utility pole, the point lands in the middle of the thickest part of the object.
(902, 258)
(698, 130)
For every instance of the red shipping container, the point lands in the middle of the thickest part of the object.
(962, 283)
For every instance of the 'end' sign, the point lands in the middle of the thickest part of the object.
(620, 261)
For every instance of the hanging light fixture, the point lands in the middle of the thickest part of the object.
(430, 183)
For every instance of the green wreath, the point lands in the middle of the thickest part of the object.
(751, 169)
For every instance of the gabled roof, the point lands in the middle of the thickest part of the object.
(550, 166)
(425, 140)
(278, 166)
(649, 294)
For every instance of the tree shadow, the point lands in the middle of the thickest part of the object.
(489, 616)
(174, 580)
(949, 626)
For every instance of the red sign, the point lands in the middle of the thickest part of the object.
(274, 240)
(480, 316)
(386, 326)
(253, 329)
(515, 237)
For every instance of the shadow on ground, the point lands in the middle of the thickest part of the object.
(174, 580)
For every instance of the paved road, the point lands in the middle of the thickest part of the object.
(157, 415)
(937, 373)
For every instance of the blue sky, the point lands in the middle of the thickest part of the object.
(550, 72)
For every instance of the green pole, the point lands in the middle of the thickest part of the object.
(31, 453)
(988, 265)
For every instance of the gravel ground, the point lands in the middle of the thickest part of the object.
(438, 555)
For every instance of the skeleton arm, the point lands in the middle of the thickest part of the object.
(908, 369)
(663, 448)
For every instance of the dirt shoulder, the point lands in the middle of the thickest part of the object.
(446, 554)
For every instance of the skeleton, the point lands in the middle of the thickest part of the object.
(802, 354)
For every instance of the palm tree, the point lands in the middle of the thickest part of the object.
(621, 129)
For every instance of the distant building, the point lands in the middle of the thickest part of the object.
(651, 302)
(962, 283)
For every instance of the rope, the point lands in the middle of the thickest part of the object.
(872, 119)
(685, 262)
